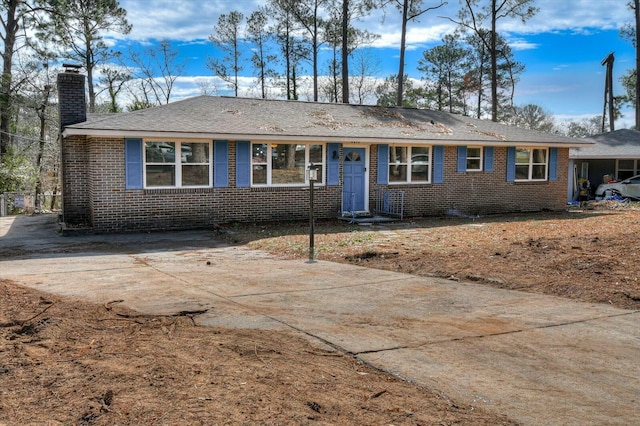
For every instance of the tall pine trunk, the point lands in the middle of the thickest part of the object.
(6, 79)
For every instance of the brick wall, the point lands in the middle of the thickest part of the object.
(76, 198)
(105, 203)
(72, 104)
(114, 208)
(481, 192)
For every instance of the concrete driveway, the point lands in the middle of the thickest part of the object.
(538, 359)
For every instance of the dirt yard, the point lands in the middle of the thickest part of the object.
(64, 362)
(591, 255)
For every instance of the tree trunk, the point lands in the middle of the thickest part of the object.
(637, 12)
(92, 92)
(494, 65)
(5, 84)
(42, 113)
(315, 58)
(403, 40)
(345, 51)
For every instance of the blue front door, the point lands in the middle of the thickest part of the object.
(353, 176)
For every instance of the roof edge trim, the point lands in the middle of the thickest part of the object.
(70, 131)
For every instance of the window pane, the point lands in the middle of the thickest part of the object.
(284, 176)
(625, 164)
(287, 163)
(259, 175)
(195, 175)
(397, 173)
(522, 172)
(473, 152)
(424, 150)
(195, 153)
(315, 154)
(539, 155)
(398, 154)
(624, 174)
(539, 172)
(420, 164)
(420, 173)
(259, 154)
(352, 156)
(473, 164)
(160, 152)
(522, 155)
(161, 175)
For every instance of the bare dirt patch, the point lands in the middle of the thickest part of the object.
(65, 362)
(591, 255)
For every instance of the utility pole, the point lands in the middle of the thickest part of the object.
(608, 92)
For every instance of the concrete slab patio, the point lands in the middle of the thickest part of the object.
(538, 359)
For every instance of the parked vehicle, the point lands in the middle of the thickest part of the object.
(628, 188)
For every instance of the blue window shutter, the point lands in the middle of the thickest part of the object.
(511, 164)
(243, 164)
(462, 159)
(220, 164)
(133, 163)
(488, 158)
(553, 163)
(438, 164)
(333, 164)
(383, 164)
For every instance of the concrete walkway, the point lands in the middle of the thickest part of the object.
(538, 359)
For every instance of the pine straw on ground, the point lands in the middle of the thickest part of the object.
(65, 362)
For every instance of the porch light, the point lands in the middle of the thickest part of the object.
(311, 173)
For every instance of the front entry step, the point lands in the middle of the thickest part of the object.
(368, 219)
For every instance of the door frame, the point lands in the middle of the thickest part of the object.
(367, 167)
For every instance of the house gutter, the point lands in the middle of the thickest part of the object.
(69, 131)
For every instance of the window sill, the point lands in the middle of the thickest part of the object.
(285, 188)
(409, 183)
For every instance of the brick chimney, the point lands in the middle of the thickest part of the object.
(72, 103)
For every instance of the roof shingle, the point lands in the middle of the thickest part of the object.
(228, 117)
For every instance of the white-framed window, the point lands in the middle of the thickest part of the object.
(177, 164)
(409, 164)
(284, 164)
(532, 164)
(627, 168)
(474, 158)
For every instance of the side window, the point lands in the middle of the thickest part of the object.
(284, 164)
(531, 164)
(409, 164)
(474, 158)
(177, 164)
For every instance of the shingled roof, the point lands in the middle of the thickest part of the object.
(623, 143)
(215, 117)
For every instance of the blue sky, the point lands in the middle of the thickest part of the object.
(562, 46)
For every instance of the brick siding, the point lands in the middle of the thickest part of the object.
(482, 193)
(71, 98)
(95, 194)
(76, 199)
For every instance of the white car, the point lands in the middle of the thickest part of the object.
(628, 188)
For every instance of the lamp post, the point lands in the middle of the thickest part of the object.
(312, 176)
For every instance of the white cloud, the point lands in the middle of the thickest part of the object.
(185, 20)
(522, 44)
(190, 20)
